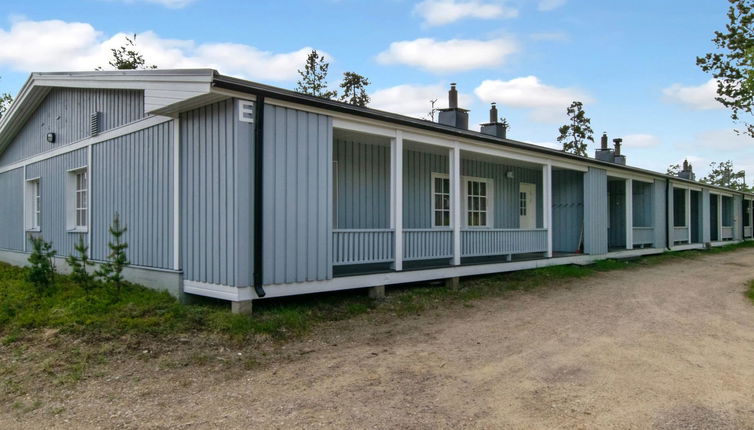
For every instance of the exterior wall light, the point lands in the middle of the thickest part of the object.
(51, 137)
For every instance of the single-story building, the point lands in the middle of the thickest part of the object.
(237, 190)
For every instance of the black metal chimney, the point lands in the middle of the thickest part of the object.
(495, 127)
(453, 115)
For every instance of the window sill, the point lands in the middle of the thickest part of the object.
(33, 230)
(78, 230)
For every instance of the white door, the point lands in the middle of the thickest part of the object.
(527, 209)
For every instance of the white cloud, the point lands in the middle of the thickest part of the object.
(441, 12)
(701, 97)
(720, 140)
(59, 45)
(640, 141)
(548, 5)
(414, 100)
(454, 55)
(172, 4)
(548, 103)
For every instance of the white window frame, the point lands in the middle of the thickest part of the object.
(490, 201)
(72, 209)
(33, 206)
(434, 210)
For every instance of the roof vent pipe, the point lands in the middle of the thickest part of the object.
(493, 113)
(453, 96)
(618, 158)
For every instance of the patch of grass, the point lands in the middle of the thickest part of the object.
(750, 291)
(143, 312)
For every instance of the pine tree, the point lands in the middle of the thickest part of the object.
(41, 273)
(127, 57)
(732, 64)
(573, 135)
(314, 77)
(722, 174)
(79, 263)
(673, 170)
(354, 89)
(111, 271)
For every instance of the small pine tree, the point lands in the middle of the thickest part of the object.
(354, 89)
(41, 273)
(314, 77)
(111, 271)
(78, 264)
(573, 135)
(127, 57)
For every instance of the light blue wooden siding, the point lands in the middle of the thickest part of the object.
(216, 195)
(659, 213)
(362, 183)
(643, 197)
(617, 213)
(66, 112)
(297, 197)
(737, 221)
(705, 216)
(595, 211)
(567, 210)
(53, 176)
(417, 188)
(12, 210)
(133, 176)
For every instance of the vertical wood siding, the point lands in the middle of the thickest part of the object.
(567, 210)
(53, 176)
(617, 213)
(216, 195)
(297, 203)
(659, 213)
(643, 199)
(12, 210)
(362, 178)
(417, 186)
(705, 217)
(66, 112)
(595, 211)
(133, 176)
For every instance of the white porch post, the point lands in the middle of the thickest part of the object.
(455, 206)
(547, 205)
(687, 198)
(720, 217)
(751, 217)
(397, 200)
(629, 214)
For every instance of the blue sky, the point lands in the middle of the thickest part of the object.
(632, 63)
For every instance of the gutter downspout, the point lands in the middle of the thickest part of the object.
(667, 214)
(258, 194)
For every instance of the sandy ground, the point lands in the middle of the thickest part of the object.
(668, 347)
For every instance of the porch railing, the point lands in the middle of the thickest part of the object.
(727, 233)
(362, 246)
(747, 231)
(680, 234)
(644, 235)
(483, 242)
(426, 244)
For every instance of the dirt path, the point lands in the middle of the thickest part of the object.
(668, 346)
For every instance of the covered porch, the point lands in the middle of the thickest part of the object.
(408, 202)
(747, 213)
(631, 213)
(686, 215)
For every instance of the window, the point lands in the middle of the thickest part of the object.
(478, 202)
(440, 200)
(33, 209)
(522, 210)
(78, 200)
